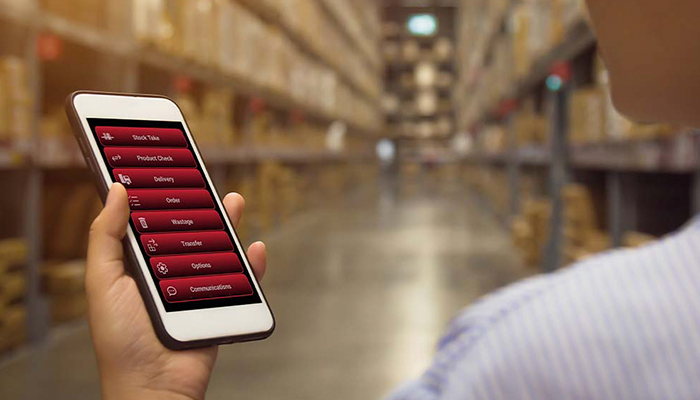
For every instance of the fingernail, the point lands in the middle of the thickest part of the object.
(110, 195)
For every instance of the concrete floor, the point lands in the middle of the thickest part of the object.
(361, 293)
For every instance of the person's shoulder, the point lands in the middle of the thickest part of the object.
(621, 273)
(612, 326)
(562, 328)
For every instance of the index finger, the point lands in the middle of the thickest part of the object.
(235, 204)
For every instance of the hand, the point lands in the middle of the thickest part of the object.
(133, 363)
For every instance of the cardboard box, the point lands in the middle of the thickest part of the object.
(66, 233)
(638, 239)
(587, 115)
(14, 251)
(65, 278)
(68, 308)
(13, 287)
(13, 327)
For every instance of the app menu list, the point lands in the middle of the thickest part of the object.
(190, 252)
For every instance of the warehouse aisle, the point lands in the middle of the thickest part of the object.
(361, 293)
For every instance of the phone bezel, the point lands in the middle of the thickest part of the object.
(224, 323)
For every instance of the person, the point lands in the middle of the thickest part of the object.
(624, 325)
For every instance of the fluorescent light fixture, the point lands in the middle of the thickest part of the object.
(422, 24)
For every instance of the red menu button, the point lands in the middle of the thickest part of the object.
(184, 243)
(197, 264)
(162, 199)
(123, 136)
(148, 157)
(166, 221)
(205, 288)
(159, 178)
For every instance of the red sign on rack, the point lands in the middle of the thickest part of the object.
(507, 107)
(562, 69)
(50, 47)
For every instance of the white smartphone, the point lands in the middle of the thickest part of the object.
(191, 269)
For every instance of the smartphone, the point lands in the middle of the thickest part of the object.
(191, 270)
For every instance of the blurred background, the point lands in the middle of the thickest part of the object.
(400, 158)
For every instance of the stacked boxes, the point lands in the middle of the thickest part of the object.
(531, 128)
(240, 33)
(617, 127)
(571, 11)
(68, 214)
(587, 116)
(199, 32)
(494, 183)
(13, 313)
(64, 283)
(537, 27)
(493, 140)
(594, 119)
(226, 35)
(583, 236)
(266, 194)
(17, 5)
(362, 24)
(530, 231)
(16, 105)
(58, 145)
(443, 50)
(275, 192)
(492, 62)
(93, 13)
(637, 239)
(217, 117)
(185, 28)
(212, 122)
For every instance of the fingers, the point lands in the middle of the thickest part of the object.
(105, 252)
(235, 204)
(257, 255)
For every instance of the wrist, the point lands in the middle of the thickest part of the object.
(139, 393)
(134, 388)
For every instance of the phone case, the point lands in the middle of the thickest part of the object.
(131, 263)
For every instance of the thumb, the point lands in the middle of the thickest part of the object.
(105, 252)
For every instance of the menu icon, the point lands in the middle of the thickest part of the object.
(125, 179)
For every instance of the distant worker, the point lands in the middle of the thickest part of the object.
(625, 325)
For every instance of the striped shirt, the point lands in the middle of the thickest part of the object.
(623, 325)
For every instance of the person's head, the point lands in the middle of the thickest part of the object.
(652, 50)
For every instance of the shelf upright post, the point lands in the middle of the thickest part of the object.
(37, 307)
(696, 191)
(513, 166)
(622, 212)
(558, 173)
(613, 183)
(696, 174)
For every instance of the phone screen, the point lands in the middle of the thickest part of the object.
(193, 258)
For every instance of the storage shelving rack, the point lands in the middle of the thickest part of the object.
(646, 185)
(411, 144)
(120, 60)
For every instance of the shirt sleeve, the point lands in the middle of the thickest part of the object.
(620, 325)
(466, 331)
